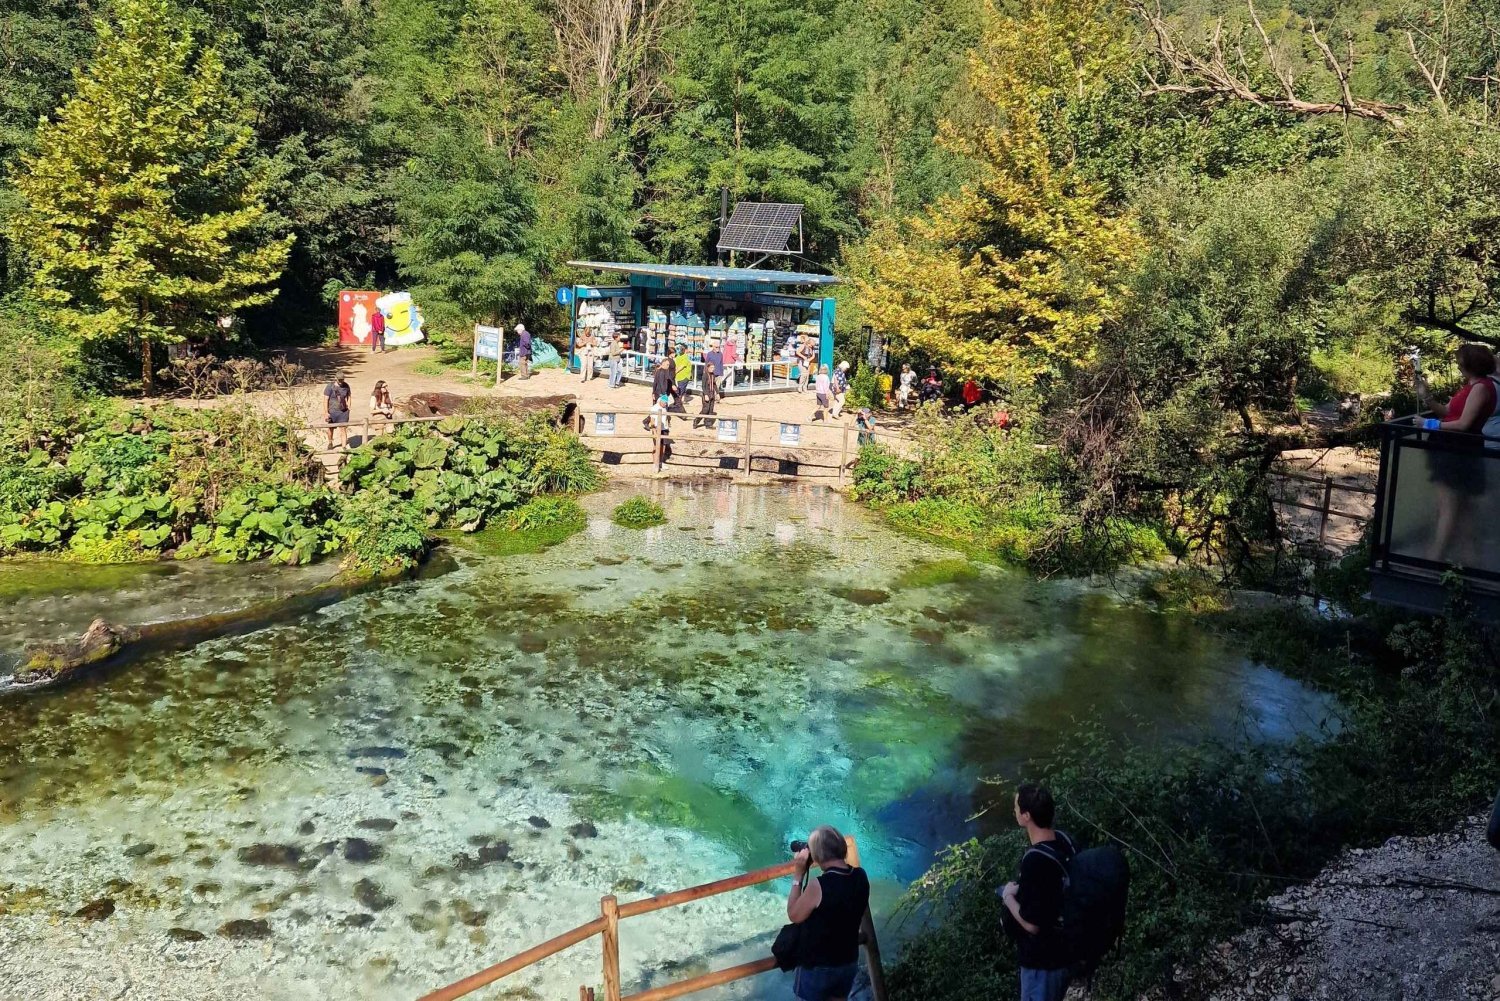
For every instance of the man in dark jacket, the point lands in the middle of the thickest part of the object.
(1034, 902)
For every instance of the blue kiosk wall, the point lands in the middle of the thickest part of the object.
(661, 285)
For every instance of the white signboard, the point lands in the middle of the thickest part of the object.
(487, 342)
(791, 434)
(729, 430)
(604, 424)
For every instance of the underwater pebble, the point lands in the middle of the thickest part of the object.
(376, 752)
(246, 928)
(584, 829)
(360, 850)
(306, 827)
(377, 824)
(360, 920)
(540, 823)
(139, 851)
(370, 895)
(185, 935)
(276, 856)
(96, 910)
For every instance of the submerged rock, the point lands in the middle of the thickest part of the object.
(277, 856)
(863, 595)
(140, 850)
(376, 824)
(246, 928)
(185, 935)
(360, 920)
(584, 829)
(369, 770)
(96, 910)
(468, 915)
(540, 823)
(371, 896)
(420, 922)
(376, 752)
(629, 886)
(306, 827)
(360, 850)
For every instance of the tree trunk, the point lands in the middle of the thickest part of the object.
(148, 373)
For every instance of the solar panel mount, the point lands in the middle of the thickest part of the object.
(762, 228)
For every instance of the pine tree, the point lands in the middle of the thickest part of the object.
(142, 217)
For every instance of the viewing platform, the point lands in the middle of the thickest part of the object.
(1437, 508)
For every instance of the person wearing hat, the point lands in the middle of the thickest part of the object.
(523, 350)
(865, 421)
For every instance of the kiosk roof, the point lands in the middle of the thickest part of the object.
(710, 273)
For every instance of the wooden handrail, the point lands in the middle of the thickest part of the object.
(713, 889)
(519, 961)
(704, 981)
(607, 925)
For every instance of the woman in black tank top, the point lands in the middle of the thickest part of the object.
(829, 910)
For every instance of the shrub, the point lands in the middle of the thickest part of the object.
(864, 389)
(639, 512)
(379, 535)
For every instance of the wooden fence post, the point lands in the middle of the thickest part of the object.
(610, 908)
(585, 994)
(843, 454)
(1327, 500)
(749, 434)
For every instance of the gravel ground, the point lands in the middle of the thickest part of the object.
(1416, 919)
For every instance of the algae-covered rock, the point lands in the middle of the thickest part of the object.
(52, 661)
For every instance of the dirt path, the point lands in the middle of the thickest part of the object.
(1416, 919)
(416, 370)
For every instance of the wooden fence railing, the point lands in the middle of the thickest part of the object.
(628, 427)
(1325, 508)
(607, 925)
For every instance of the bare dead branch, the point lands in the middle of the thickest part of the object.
(1210, 73)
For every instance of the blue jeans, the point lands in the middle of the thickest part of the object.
(1043, 985)
(616, 372)
(818, 983)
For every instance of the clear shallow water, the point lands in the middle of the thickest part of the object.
(630, 711)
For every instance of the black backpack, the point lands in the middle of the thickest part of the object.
(1096, 886)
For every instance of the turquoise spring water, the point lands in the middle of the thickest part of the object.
(417, 782)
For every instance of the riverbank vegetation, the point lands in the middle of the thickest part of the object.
(1213, 828)
(102, 484)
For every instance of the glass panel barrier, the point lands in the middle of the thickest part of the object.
(1445, 504)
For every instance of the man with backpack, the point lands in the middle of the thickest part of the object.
(1067, 909)
(1034, 902)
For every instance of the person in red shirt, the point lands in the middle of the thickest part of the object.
(377, 332)
(1454, 468)
(971, 394)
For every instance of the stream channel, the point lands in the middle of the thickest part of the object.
(411, 784)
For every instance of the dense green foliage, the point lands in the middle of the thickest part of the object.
(1211, 829)
(100, 486)
(983, 489)
(639, 512)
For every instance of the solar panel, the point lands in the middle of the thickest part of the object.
(760, 227)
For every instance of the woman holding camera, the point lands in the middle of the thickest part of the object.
(829, 910)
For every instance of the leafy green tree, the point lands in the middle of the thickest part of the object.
(143, 218)
(40, 43)
(466, 234)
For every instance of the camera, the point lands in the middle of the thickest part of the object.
(797, 846)
(1415, 354)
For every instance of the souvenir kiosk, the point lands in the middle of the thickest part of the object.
(700, 307)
